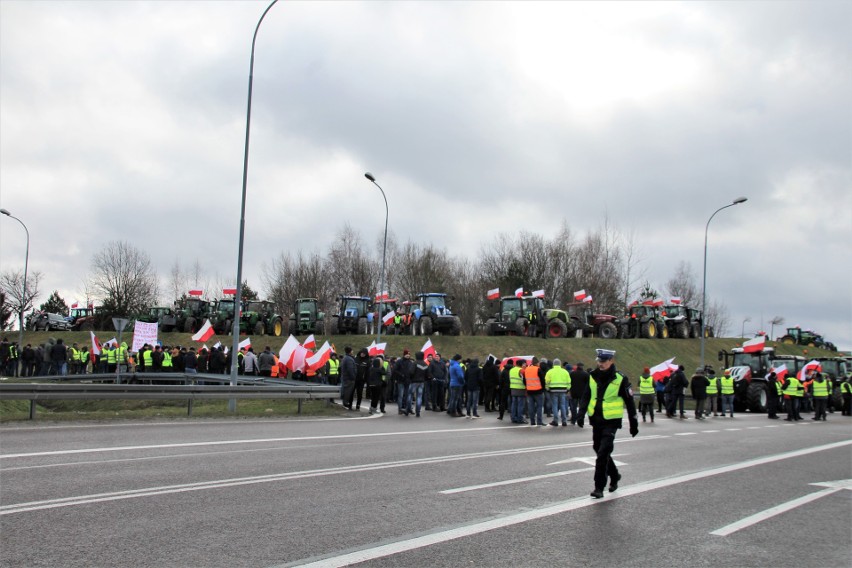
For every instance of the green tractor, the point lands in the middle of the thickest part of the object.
(162, 315)
(222, 316)
(683, 322)
(306, 317)
(192, 314)
(799, 336)
(643, 320)
(259, 318)
(351, 316)
(514, 317)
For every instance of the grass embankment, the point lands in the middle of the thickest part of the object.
(631, 356)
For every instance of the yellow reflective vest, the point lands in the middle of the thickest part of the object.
(646, 385)
(613, 404)
(515, 380)
(727, 384)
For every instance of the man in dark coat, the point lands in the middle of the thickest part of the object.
(579, 384)
(698, 385)
(348, 373)
(677, 385)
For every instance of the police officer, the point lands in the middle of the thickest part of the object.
(604, 401)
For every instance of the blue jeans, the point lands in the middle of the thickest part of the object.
(536, 402)
(402, 396)
(473, 402)
(518, 406)
(559, 402)
(572, 404)
(727, 402)
(414, 396)
(455, 400)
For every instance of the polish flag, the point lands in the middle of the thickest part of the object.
(812, 367)
(297, 359)
(310, 342)
(376, 349)
(74, 305)
(205, 333)
(197, 293)
(492, 294)
(227, 291)
(780, 372)
(579, 295)
(754, 345)
(428, 349)
(91, 305)
(383, 296)
(288, 348)
(676, 301)
(538, 294)
(633, 303)
(587, 299)
(319, 358)
(519, 292)
(96, 346)
(663, 370)
(245, 343)
(388, 319)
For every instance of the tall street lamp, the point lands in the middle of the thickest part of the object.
(736, 201)
(24, 295)
(742, 331)
(372, 178)
(235, 330)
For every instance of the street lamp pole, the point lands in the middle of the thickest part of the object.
(372, 178)
(742, 331)
(24, 295)
(736, 201)
(235, 330)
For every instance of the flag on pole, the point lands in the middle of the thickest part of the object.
(310, 342)
(227, 291)
(297, 359)
(376, 349)
(538, 294)
(519, 292)
(780, 372)
(205, 333)
(675, 300)
(74, 305)
(428, 349)
(319, 358)
(492, 294)
(245, 343)
(217, 345)
(383, 296)
(197, 293)
(388, 319)
(579, 295)
(587, 299)
(754, 345)
(812, 367)
(96, 347)
(288, 348)
(663, 370)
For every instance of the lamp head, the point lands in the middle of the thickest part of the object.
(739, 200)
(370, 177)
(5, 212)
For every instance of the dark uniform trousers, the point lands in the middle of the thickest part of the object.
(603, 442)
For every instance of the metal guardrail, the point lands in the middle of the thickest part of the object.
(132, 387)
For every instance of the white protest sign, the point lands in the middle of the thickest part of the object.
(144, 333)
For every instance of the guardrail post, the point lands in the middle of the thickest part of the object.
(32, 409)
(300, 406)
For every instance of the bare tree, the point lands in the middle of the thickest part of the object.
(634, 271)
(467, 293)
(124, 278)
(178, 281)
(288, 278)
(17, 299)
(718, 318)
(350, 269)
(682, 285)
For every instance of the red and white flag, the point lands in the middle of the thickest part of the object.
(579, 295)
(428, 349)
(205, 333)
(780, 372)
(245, 343)
(812, 367)
(675, 300)
(519, 292)
(492, 294)
(96, 346)
(633, 303)
(376, 349)
(587, 299)
(538, 294)
(74, 305)
(287, 349)
(229, 291)
(663, 370)
(297, 359)
(319, 358)
(198, 293)
(388, 319)
(91, 305)
(310, 342)
(383, 296)
(754, 345)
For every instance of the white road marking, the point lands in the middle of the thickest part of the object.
(512, 481)
(590, 461)
(773, 511)
(711, 431)
(754, 427)
(471, 529)
(686, 434)
(732, 429)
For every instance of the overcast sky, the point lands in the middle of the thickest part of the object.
(126, 121)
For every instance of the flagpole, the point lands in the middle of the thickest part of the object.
(372, 178)
(736, 201)
(235, 330)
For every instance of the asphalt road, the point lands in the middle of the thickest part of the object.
(432, 491)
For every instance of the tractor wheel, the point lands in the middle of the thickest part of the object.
(664, 331)
(320, 327)
(333, 325)
(649, 330)
(189, 325)
(756, 396)
(682, 330)
(607, 330)
(557, 329)
(708, 332)
(695, 330)
(788, 340)
(413, 326)
(425, 325)
(362, 326)
(521, 325)
(811, 344)
(259, 328)
(277, 328)
(623, 331)
(455, 328)
(489, 326)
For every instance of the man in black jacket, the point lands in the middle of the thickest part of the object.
(604, 401)
(677, 383)
(579, 384)
(348, 372)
